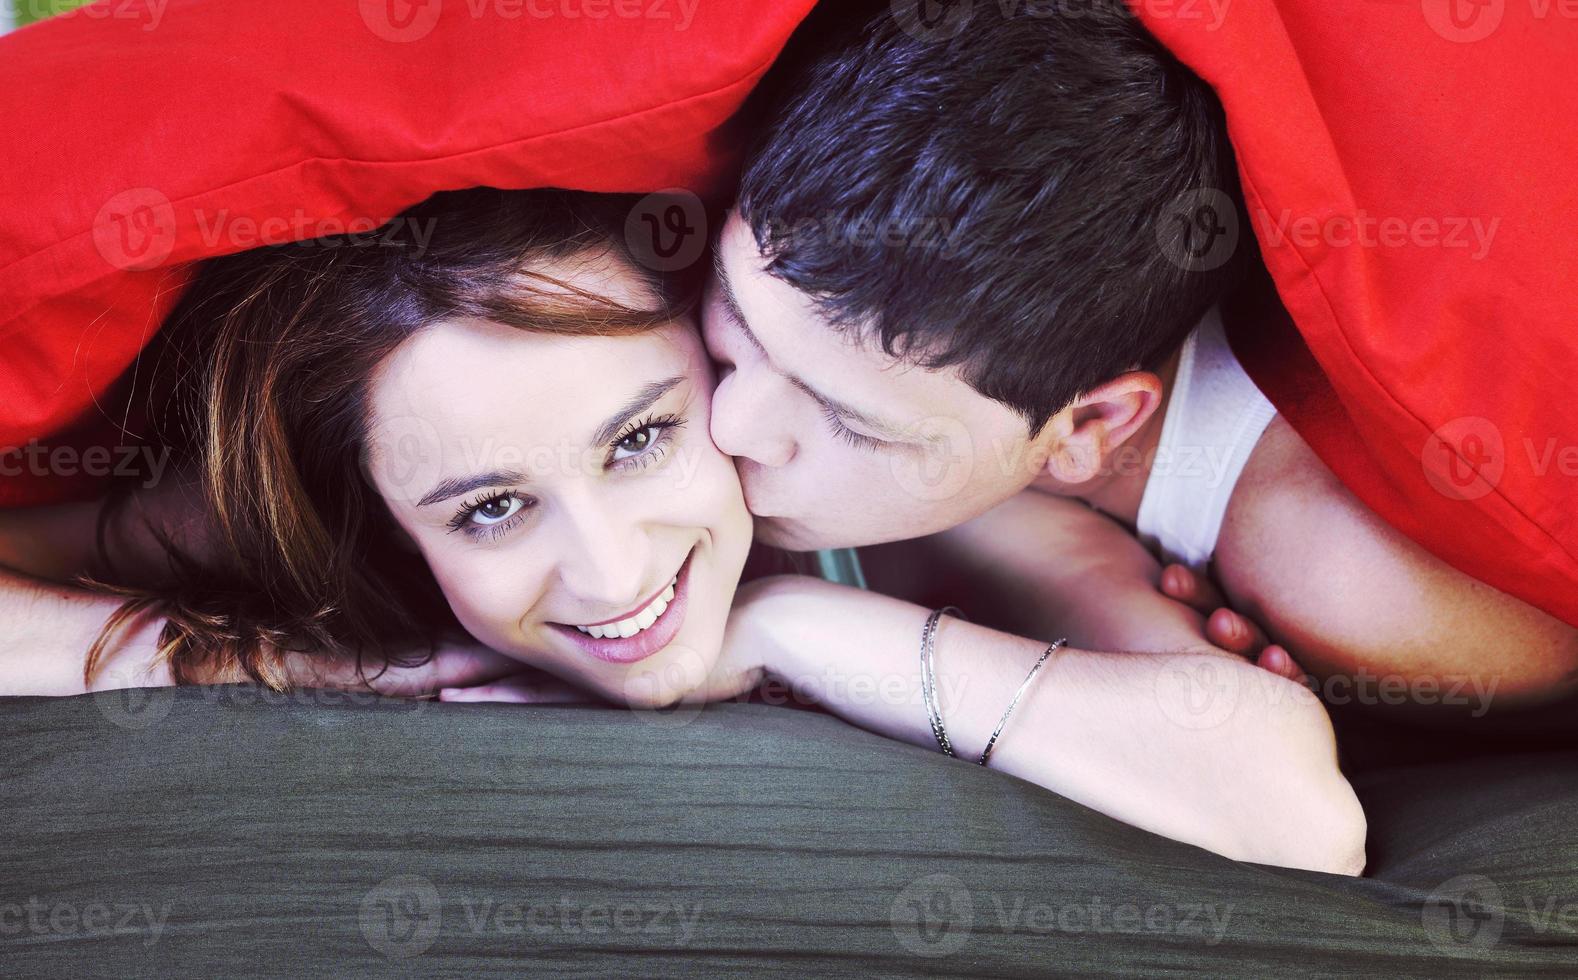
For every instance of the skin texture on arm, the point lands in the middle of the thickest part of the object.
(46, 630)
(1351, 597)
(1248, 770)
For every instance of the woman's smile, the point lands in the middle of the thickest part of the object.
(640, 633)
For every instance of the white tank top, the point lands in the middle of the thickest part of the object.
(1215, 415)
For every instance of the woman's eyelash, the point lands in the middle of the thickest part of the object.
(462, 519)
(648, 455)
(857, 439)
(655, 449)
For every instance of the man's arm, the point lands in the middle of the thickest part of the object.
(1041, 565)
(1194, 745)
(1359, 603)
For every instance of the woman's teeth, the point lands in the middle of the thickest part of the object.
(640, 621)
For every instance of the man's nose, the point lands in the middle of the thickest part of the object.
(748, 419)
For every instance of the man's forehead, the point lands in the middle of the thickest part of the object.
(785, 323)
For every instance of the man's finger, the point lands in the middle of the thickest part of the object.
(1235, 633)
(1277, 660)
(1191, 588)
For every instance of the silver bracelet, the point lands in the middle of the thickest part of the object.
(929, 678)
(1017, 695)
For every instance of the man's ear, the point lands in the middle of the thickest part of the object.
(1086, 433)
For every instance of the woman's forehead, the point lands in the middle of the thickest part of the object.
(473, 383)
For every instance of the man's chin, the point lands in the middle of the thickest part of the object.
(793, 534)
(788, 534)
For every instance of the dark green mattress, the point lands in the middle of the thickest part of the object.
(217, 832)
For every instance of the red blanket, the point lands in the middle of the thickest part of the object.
(1411, 169)
(145, 134)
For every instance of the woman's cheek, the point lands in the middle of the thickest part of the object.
(714, 499)
(489, 595)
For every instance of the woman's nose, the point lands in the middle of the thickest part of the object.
(606, 563)
(746, 424)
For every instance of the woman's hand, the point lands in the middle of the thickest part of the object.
(736, 672)
(461, 669)
(526, 685)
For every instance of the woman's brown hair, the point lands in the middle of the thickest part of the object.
(267, 359)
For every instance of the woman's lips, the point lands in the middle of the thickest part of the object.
(630, 649)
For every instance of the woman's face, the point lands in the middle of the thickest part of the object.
(565, 492)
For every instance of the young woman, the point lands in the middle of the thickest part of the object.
(481, 443)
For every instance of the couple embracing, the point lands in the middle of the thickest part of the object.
(514, 461)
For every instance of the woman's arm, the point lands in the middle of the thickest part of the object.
(46, 630)
(1195, 745)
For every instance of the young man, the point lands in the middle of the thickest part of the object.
(964, 289)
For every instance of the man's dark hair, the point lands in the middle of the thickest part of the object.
(1022, 199)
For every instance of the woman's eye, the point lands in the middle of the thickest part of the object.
(637, 442)
(496, 511)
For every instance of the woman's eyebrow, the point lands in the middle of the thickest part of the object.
(465, 484)
(640, 402)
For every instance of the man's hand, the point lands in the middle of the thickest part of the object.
(1232, 631)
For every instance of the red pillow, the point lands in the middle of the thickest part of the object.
(146, 134)
(1411, 171)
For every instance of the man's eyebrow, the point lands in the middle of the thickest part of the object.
(732, 306)
(640, 402)
(731, 303)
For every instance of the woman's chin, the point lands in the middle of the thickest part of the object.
(678, 670)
